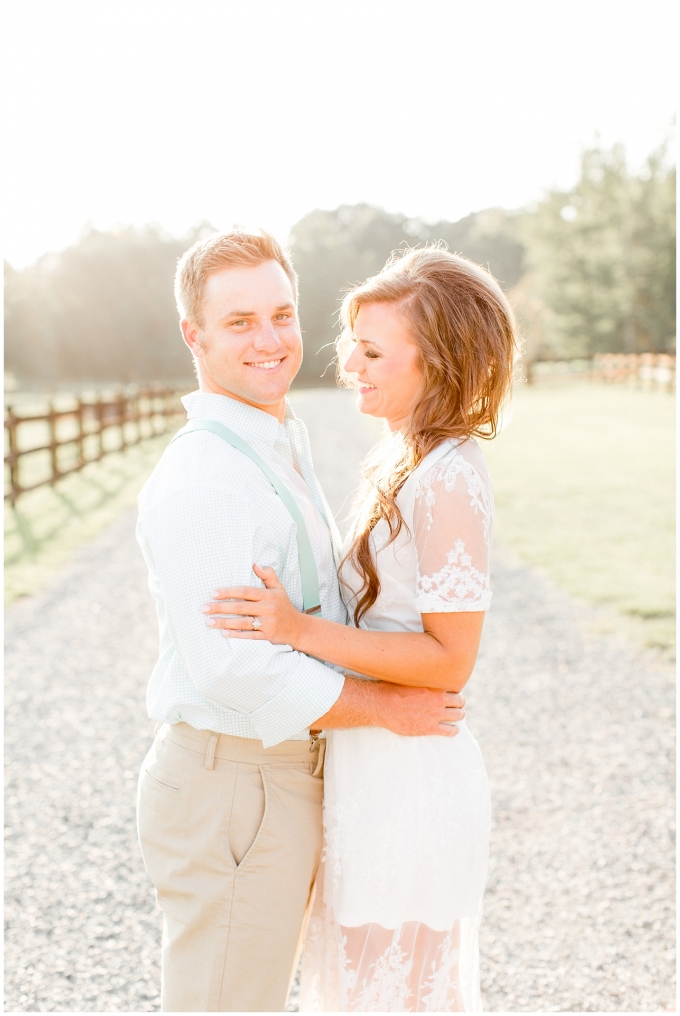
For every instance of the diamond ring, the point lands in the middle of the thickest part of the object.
(257, 623)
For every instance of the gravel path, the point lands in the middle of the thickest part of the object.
(576, 729)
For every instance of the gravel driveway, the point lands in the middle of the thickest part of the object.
(576, 729)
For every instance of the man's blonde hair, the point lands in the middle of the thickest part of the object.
(226, 250)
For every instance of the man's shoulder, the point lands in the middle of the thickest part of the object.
(199, 460)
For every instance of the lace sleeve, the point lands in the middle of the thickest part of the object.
(452, 523)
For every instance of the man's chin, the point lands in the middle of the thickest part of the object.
(264, 392)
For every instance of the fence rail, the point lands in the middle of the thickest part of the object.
(87, 430)
(652, 371)
(645, 369)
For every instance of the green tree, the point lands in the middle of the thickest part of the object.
(101, 310)
(602, 257)
(334, 250)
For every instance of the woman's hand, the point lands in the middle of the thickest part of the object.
(279, 621)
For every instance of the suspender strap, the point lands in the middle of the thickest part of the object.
(310, 579)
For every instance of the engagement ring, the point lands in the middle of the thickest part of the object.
(257, 623)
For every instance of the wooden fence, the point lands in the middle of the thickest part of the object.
(64, 440)
(651, 371)
(642, 369)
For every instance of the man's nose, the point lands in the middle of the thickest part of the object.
(266, 339)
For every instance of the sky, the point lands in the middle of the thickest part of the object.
(255, 112)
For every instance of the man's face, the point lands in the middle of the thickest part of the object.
(250, 346)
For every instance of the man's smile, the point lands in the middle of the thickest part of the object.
(266, 364)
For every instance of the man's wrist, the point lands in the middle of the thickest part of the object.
(378, 694)
(371, 696)
(355, 707)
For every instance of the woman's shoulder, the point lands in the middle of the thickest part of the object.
(448, 466)
(471, 454)
(450, 457)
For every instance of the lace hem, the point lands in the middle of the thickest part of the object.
(428, 603)
(373, 969)
(458, 582)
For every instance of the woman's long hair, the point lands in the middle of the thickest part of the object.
(467, 341)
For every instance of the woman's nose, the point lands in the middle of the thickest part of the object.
(352, 364)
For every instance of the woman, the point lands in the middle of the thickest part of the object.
(394, 925)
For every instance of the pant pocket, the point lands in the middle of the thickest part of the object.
(164, 780)
(161, 811)
(248, 811)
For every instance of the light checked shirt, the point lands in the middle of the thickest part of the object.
(206, 515)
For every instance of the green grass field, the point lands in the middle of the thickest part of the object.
(584, 482)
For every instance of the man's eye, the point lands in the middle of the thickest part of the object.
(371, 356)
(282, 317)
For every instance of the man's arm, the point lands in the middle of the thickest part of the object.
(411, 712)
(192, 539)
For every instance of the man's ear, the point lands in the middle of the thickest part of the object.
(193, 337)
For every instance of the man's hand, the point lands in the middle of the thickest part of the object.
(411, 712)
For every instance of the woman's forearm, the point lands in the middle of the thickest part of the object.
(418, 659)
(441, 656)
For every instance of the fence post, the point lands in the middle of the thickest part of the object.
(646, 370)
(52, 425)
(665, 371)
(159, 409)
(99, 419)
(138, 416)
(132, 412)
(79, 442)
(121, 405)
(145, 416)
(631, 367)
(163, 407)
(13, 459)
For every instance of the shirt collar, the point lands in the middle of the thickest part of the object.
(247, 421)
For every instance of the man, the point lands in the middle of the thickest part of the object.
(230, 794)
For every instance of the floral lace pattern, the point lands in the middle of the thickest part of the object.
(458, 586)
(445, 472)
(452, 517)
(407, 969)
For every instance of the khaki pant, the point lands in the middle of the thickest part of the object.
(231, 836)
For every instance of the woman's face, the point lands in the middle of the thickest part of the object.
(385, 360)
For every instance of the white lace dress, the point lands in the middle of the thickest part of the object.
(395, 918)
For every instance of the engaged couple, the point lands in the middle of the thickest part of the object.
(313, 786)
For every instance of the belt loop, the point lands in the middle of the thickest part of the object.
(322, 754)
(210, 754)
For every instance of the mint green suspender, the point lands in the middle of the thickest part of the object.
(311, 599)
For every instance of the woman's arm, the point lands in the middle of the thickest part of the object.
(442, 656)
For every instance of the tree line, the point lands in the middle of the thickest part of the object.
(590, 269)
